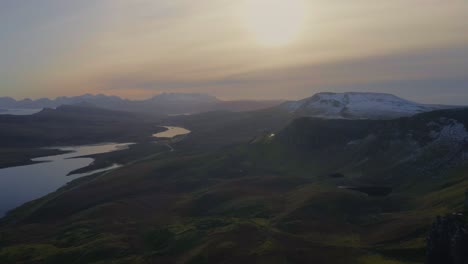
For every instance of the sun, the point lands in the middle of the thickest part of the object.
(275, 22)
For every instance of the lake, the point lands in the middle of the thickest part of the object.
(172, 132)
(19, 185)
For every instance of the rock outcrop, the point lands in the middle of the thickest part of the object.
(448, 240)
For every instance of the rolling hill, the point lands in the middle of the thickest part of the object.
(74, 125)
(317, 191)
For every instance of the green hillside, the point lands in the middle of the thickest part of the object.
(319, 191)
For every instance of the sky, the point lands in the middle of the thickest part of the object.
(243, 49)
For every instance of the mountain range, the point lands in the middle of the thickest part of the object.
(163, 104)
(349, 105)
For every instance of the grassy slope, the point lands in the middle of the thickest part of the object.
(72, 125)
(266, 202)
(214, 129)
(222, 207)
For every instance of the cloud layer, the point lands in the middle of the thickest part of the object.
(417, 49)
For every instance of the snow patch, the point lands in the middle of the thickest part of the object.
(451, 131)
(356, 106)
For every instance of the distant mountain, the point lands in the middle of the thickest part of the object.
(173, 103)
(357, 106)
(7, 102)
(215, 129)
(163, 104)
(189, 98)
(350, 105)
(100, 99)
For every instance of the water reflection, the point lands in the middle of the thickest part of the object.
(172, 132)
(25, 183)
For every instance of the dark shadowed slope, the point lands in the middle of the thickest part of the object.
(268, 201)
(73, 125)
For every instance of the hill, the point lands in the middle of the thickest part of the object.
(319, 191)
(74, 125)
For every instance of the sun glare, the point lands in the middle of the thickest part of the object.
(275, 22)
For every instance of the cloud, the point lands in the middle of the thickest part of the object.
(141, 47)
(428, 76)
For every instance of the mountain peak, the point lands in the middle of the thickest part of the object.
(369, 95)
(356, 105)
(192, 97)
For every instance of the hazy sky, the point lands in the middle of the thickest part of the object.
(261, 49)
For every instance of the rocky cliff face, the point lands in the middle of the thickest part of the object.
(448, 240)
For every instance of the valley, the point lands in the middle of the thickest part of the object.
(24, 183)
(233, 132)
(264, 186)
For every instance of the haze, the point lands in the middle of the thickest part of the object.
(234, 49)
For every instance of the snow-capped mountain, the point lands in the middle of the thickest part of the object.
(357, 106)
